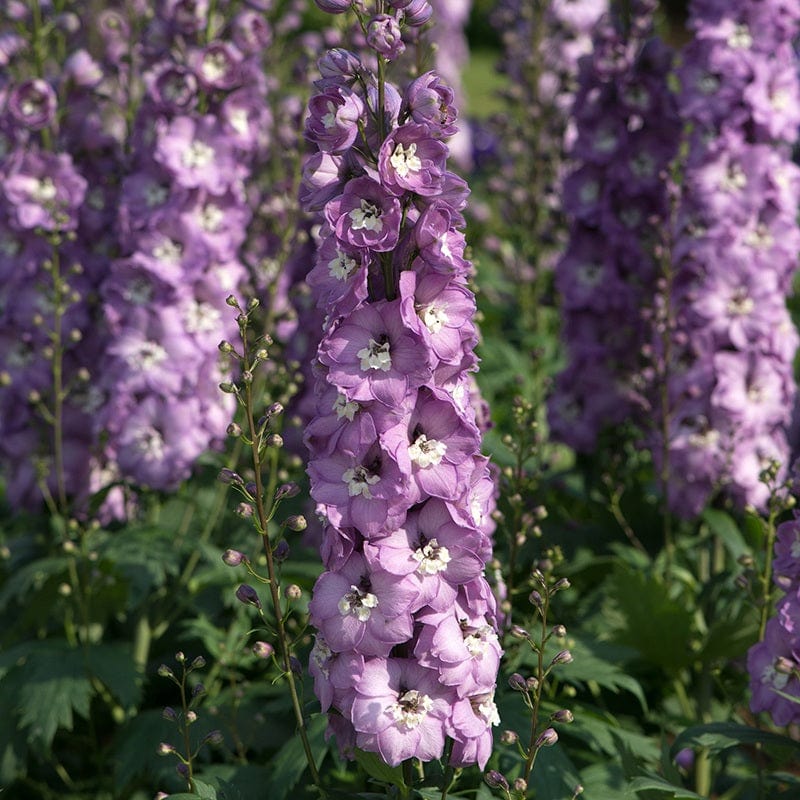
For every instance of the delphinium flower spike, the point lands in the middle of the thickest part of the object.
(406, 652)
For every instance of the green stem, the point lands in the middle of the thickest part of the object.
(537, 695)
(263, 521)
(766, 578)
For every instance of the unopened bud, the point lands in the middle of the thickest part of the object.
(261, 354)
(248, 595)
(263, 649)
(275, 409)
(563, 715)
(296, 523)
(165, 672)
(292, 592)
(191, 716)
(227, 387)
(547, 738)
(562, 657)
(532, 683)
(233, 558)
(517, 683)
(286, 491)
(232, 301)
(198, 663)
(251, 488)
(536, 600)
(562, 583)
(786, 666)
(559, 631)
(509, 737)
(225, 347)
(244, 510)
(253, 303)
(274, 440)
(520, 785)
(180, 657)
(281, 552)
(496, 780)
(165, 749)
(198, 689)
(213, 737)
(518, 632)
(229, 476)
(234, 430)
(169, 714)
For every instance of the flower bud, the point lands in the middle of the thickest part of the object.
(165, 749)
(296, 523)
(165, 672)
(785, 665)
(519, 633)
(275, 409)
(292, 592)
(229, 476)
(263, 650)
(180, 657)
(251, 488)
(287, 490)
(213, 737)
(198, 663)
(274, 440)
(517, 683)
(227, 387)
(233, 558)
(281, 552)
(509, 737)
(191, 716)
(244, 510)
(248, 595)
(232, 301)
(198, 689)
(563, 715)
(562, 583)
(536, 600)
(532, 683)
(562, 657)
(225, 347)
(547, 738)
(234, 430)
(559, 631)
(496, 780)
(520, 785)
(169, 714)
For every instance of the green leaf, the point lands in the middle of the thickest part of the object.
(719, 736)
(205, 790)
(723, 525)
(56, 687)
(113, 665)
(377, 768)
(554, 774)
(655, 783)
(656, 625)
(289, 763)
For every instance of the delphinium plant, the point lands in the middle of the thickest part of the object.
(406, 652)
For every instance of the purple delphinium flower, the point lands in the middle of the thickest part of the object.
(626, 133)
(735, 241)
(395, 465)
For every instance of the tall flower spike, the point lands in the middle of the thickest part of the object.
(394, 448)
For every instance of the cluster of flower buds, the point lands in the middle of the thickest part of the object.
(774, 663)
(731, 386)
(627, 129)
(407, 651)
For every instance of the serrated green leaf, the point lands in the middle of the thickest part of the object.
(205, 790)
(655, 783)
(56, 687)
(289, 763)
(719, 736)
(722, 524)
(656, 625)
(378, 769)
(113, 665)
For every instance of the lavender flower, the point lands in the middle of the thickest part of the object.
(394, 448)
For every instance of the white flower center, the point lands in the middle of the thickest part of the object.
(9, 247)
(44, 190)
(476, 510)
(431, 558)
(138, 291)
(210, 217)
(168, 252)
(375, 356)
(760, 238)
(708, 83)
(488, 710)
(405, 160)
(735, 179)
(329, 120)
(741, 38)
(358, 481)
(214, 67)
(410, 709)
(321, 655)
(771, 676)
(589, 192)
(201, 318)
(643, 165)
(477, 643)
(704, 439)
(150, 443)
(239, 121)
(795, 548)
(740, 304)
(367, 216)
(358, 603)
(341, 267)
(155, 195)
(427, 452)
(197, 155)
(146, 356)
(345, 408)
(605, 142)
(434, 317)
(590, 274)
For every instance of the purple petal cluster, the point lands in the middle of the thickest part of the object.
(627, 128)
(774, 663)
(407, 651)
(731, 386)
